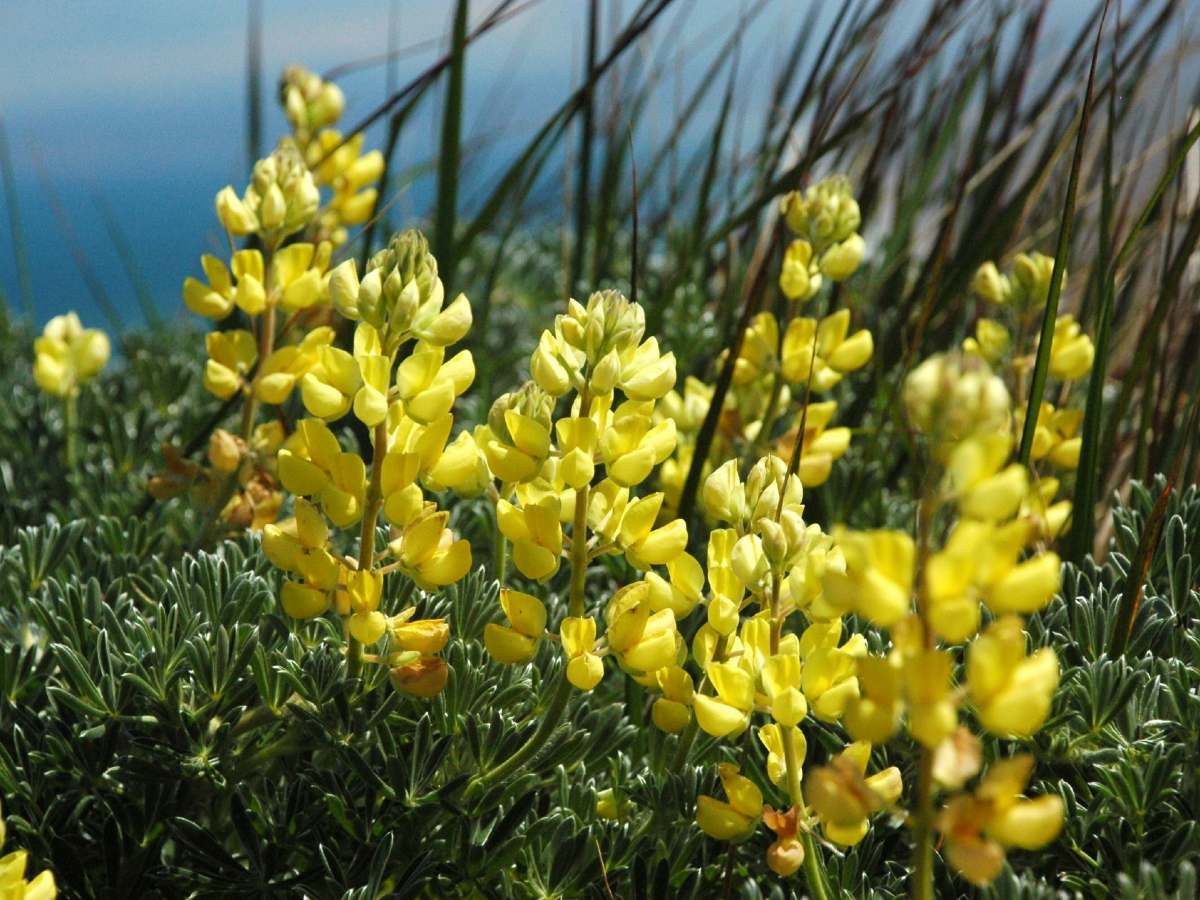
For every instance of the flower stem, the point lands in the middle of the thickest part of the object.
(501, 557)
(922, 884)
(922, 866)
(71, 428)
(550, 720)
(579, 552)
(814, 871)
(366, 538)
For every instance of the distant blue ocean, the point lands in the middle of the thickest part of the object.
(142, 103)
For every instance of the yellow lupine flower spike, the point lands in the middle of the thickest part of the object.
(67, 355)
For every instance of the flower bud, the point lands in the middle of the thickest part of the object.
(989, 284)
(784, 858)
(424, 678)
(842, 260)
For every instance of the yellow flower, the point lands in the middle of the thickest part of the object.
(312, 464)
(830, 679)
(67, 355)
(759, 352)
(298, 546)
(646, 373)
(781, 683)
(952, 396)
(577, 441)
(461, 467)
(989, 284)
(1056, 436)
(1011, 691)
(215, 299)
(877, 582)
(823, 446)
(1071, 351)
(728, 713)
(231, 354)
(536, 535)
(672, 711)
(874, 715)
(984, 487)
(517, 440)
(645, 545)
(843, 797)
(977, 828)
(1030, 282)
(727, 589)
(429, 554)
(428, 383)
(736, 819)
(643, 640)
(517, 641)
(682, 592)
(932, 710)
(424, 636)
(424, 676)
(991, 340)
(825, 213)
(609, 323)
(772, 736)
(584, 668)
(310, 102)
(14, 884)
(360, 601)
(842, 260)
(403, 501)
(633, 444)
(327, 391)
(724, 495)
(279, 372)
(349, 172)
(800, 275)
(281, 199)
(555, 365)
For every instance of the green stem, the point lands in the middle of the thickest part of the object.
(550, 720)
(579, 552)
(814, 871)
(71, 428)
(501, 557)
(366, 538)
(922, 885)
